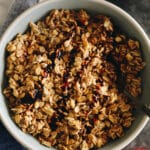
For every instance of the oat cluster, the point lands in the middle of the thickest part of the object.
(66, 79)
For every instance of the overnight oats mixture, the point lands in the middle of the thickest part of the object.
(66, 80)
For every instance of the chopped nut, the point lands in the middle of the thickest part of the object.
(84, 146)
(49, 111)
(129, 57)
(118, 39)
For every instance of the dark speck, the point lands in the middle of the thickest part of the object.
(59, 54)
(49, 68)
(38, 94)
(52, 58)
(53, 123)
(27, 99)
(72, 56)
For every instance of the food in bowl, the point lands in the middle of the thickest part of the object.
(66, 79)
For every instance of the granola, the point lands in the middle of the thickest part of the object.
(66, 80)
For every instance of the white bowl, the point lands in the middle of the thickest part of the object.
(121, 18)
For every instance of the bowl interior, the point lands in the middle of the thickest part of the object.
(94, 6)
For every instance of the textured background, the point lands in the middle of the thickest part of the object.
(139, 9)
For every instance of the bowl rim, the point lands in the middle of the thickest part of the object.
(109, 4)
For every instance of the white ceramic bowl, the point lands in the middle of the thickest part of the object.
(121, 18)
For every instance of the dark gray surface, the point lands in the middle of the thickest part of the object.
(139, 9)
(17, 8)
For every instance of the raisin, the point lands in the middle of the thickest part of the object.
(49, 68)
(27, 99)
(59, 54)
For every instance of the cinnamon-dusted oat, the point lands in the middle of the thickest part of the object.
(66, 77)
